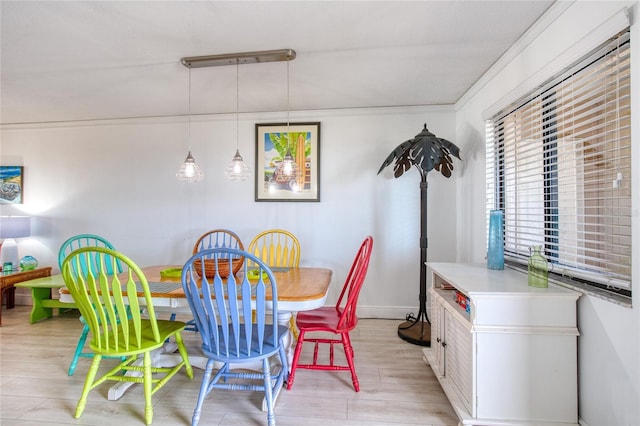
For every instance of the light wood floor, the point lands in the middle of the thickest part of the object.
(396, 387)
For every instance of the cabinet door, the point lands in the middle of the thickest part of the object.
(459, 356)
(437, 336)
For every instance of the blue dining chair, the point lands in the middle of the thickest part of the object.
(214, 239)
(222, 310)
(71, 244)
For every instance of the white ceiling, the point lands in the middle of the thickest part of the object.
(82, 60)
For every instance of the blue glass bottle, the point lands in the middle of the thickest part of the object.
(495, 249)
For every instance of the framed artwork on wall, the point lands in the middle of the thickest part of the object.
(11, 184)
(288, 162)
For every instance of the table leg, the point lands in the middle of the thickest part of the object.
(11, 297)
(38, 311)
(284, 318)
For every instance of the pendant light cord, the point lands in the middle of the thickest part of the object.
(189, 108)
(237, 104)
(288, 104)
(288, 107)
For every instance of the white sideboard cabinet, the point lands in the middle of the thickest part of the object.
(510, 357)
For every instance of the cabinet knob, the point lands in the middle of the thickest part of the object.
(438, 340)
(444, 344)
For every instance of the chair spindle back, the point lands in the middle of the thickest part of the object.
(109, 302)
(222, 307)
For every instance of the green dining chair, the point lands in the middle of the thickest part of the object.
(111, 306)
(71, 244)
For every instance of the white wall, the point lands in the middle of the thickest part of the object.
(117, 178)
(609, 354)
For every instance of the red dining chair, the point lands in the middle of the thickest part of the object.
(340, 319)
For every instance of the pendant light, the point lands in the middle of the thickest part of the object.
(237, 169)
(189, 170)
(288, 162)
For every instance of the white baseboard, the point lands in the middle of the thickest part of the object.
(386, 312)
(381, 312)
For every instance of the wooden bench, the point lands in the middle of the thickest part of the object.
(41, 292)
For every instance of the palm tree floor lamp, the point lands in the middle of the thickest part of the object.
(426, 152)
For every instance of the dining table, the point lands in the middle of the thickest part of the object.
(299, 289)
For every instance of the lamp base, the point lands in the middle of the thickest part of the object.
(417, 332)
(9, 253)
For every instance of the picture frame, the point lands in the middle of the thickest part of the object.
(11, 184)
(278, 179)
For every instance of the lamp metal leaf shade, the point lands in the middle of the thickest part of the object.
(426, 151)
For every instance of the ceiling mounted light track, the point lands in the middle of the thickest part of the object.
(239, 58)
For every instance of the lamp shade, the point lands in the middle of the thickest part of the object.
(15, 227)
(12, 227)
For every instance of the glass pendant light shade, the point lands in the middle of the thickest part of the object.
(237, 169)
(289, 164)
(189, 170)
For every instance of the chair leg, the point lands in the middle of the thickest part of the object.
(185, 356)
(148, 388)
(79, 347)
(284, 363)
(268, 392)
(348, 351)
(88, 385)
(293, 327)
(294, 363)
(206, 378)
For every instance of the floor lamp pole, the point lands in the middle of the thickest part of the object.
(418, 330)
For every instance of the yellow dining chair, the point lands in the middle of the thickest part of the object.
(110, 305)
(278, 248)
(71, 244)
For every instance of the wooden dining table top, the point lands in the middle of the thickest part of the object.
(298, 288)
(294, 284)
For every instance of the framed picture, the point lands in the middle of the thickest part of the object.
(11, 178)
(288, 162)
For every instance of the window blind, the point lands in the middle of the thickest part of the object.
(559, 166)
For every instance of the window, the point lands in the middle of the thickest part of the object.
(559, 166)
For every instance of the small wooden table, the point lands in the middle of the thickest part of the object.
(8, 279)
